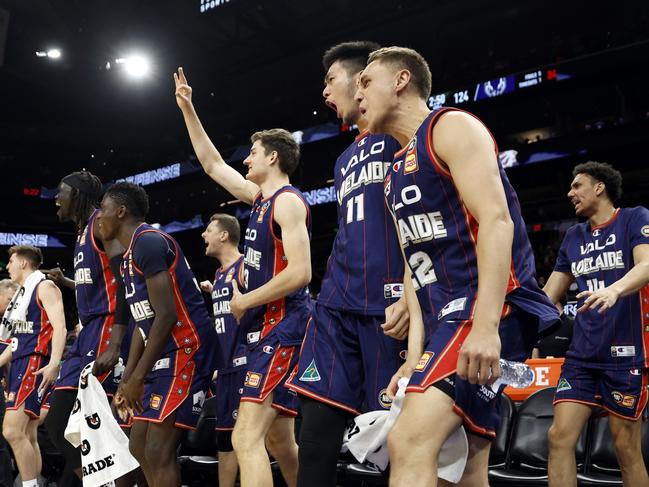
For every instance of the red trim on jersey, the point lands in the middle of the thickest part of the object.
(446, 363)
(438, 163)
(45, 333)
(104, 338)
(28, 383)
(273, 375)
(607, 222)
(644, 322)
(469, 424)
(173, 398)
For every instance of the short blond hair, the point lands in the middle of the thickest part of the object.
(406, 58)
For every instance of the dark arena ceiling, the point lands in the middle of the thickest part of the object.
(256, 64)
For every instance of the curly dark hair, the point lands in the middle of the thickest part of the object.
(132, 196)
(604, 173)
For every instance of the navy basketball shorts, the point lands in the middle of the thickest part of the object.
(228, 388)
(91, 342)
(22, 386)
(183, 394)
(269, 365)
(347, 361)
(477, 405)
(621, 392)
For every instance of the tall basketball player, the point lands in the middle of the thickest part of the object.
(473, 284)
(351, 350)
(277, 268)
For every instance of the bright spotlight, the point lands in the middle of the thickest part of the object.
(54, 53)
(135, 66)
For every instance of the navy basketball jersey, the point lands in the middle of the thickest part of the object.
(264, 258)
(228, 333)
(192, 336)
(94, 283)
(365, 269)
(34, 335)
(597, 257)
(439, 236)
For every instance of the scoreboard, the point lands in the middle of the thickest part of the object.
(496, 87)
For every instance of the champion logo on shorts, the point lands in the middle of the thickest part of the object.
(311, 373)
(635, 372)
(645, 231)
(623, 351)
(563, 385)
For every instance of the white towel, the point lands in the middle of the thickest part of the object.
(367, 436)
(104, 446)
(16, 311)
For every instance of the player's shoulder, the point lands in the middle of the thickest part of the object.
(634, 212)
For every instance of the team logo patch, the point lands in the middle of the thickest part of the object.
(423, 361)
(410, 162)
(384, 400)
(156, 401)
(645, 231)
(93, 421)
(253, 379)
(563, 385)
(311, 373)
(262, 211)
(624, 400)
(230, 275)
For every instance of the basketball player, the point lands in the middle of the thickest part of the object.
(7, 290)
(101, 305)
(222, 239)
(37, 341)
(465, 242)
(277, 268)
(347, 358)
(174, 351)
(606, 364)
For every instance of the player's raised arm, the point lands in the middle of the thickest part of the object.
(468, 149)
(291, 215)
(213, 163)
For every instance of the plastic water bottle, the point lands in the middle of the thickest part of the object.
(515, 374)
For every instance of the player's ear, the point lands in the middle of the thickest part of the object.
(402, 80)
(121, 211)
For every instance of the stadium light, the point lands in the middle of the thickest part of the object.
(50, 53)
(135, 66)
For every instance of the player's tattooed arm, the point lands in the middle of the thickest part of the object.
(290, 214)
(210, 158)
(52, 301)
(467, 148)
(634, 280)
